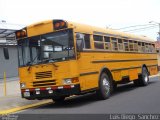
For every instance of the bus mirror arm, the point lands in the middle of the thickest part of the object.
(55, 65)
(78, 55)
(6, 53)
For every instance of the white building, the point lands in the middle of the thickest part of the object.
(7, 38)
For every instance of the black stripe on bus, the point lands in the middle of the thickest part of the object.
(96, 72)
(131, 68)
(152, 65)
(89, 90)
(103, 61)
(44, 81)
(125, 68)
(88, 73)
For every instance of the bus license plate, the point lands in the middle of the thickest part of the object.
(26, 94)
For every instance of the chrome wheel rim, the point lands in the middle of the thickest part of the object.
(106, 85)
(145, 77)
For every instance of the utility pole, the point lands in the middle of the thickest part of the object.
(158, 32)
(158, 39)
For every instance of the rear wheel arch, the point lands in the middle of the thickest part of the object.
(108, 72)
(145, 66)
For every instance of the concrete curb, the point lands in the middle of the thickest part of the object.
(12, 110)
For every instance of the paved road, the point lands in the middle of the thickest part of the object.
(126, 99)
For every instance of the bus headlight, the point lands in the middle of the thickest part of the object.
(23, 85)
(67, 81)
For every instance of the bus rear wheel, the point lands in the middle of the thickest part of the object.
(105, 87)
(143, 78)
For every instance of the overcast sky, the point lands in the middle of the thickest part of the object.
(111, 13)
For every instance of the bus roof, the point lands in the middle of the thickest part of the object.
(110, 32)
(99, 31)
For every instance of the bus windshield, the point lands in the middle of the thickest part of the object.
(51, 47)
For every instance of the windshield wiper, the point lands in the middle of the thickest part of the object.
(31, 62)
(47, 60)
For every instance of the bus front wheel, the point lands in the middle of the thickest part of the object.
(105, 87)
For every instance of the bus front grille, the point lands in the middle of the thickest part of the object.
(46, 74)
(44, 83)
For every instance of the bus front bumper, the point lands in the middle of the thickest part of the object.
(50, 92)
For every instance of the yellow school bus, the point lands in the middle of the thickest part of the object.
(58, 58)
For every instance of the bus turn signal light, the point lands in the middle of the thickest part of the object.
(62, 23)
(18, 34)
(21, 34)
(57, 25)
(75, 80)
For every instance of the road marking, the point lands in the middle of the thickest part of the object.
(4, 112)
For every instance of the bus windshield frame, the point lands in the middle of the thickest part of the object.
(51, 47)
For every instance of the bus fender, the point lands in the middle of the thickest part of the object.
(107, 71)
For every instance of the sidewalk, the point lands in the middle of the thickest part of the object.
(13, 87)
(13, 101)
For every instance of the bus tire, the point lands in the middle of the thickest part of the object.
(59, 99)
(144, 77)
(105, 87)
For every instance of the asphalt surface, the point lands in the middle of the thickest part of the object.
(126, 99)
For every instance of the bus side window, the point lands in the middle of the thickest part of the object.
(84, 40)
(131, 45)
(153, 48)
(147, 48)
(107, 43)
(114, 44)
(126, 45)
(143, 47)
(139, 47)
(135, 46)
(150, 48)
(98, 42)
(79, 41)
(120, 45)
(87, 44)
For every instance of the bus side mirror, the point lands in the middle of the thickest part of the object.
(79, 42)
(79, 45)
(6, 53)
